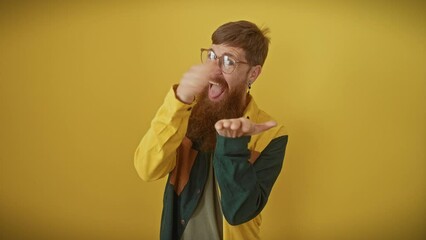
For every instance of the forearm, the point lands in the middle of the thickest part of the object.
(155, 156)
(245, 187)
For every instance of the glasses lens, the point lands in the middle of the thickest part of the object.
(228, 64)
(207, 55)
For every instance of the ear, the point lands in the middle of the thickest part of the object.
(254, 73)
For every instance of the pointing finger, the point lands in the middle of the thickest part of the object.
(261, 127)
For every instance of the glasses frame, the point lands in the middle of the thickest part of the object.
(221, 60)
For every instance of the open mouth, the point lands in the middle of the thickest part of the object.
(216, 90)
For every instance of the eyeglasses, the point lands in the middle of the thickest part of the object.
(227, 63)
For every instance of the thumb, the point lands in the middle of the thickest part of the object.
(261, 127)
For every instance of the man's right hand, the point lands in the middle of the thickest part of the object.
(195, 81)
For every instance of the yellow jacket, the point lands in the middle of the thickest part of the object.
(245, 168)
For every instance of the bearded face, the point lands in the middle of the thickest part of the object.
(225, 98)
(206, 113)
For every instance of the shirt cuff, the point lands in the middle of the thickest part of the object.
(232, 146)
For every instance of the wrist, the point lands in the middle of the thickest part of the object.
(185, 98)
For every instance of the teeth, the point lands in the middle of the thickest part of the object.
(214, 83)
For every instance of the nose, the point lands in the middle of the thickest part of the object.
(217, 70)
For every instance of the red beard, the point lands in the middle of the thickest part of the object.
(206, 113)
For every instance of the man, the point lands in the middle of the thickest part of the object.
(222, 154)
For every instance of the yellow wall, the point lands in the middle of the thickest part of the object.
(80, 82)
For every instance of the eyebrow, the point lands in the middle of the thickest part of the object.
(225, 53)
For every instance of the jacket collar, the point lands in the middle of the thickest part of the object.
(252, 110)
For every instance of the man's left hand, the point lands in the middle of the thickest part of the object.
(238, 127)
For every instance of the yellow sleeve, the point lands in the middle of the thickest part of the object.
(155, 156)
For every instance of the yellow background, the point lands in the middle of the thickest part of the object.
(80, 82)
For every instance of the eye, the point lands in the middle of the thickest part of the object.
(211, 55)
(227, 61)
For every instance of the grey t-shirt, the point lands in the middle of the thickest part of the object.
(206, 222)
